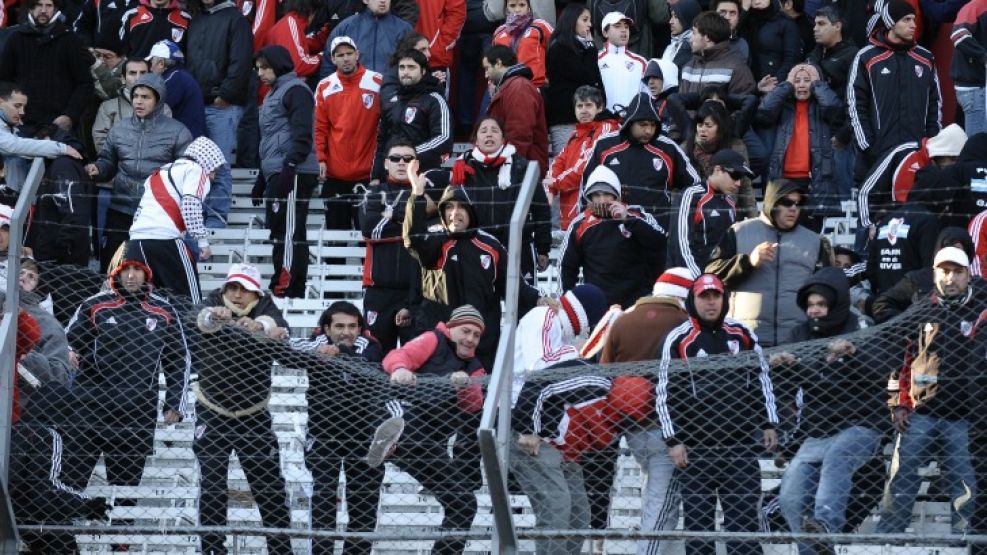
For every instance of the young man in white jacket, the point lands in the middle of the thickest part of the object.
(620, 69)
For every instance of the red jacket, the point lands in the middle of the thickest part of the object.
(441, 21)
(531, 48)
(261, 14)
(567, 168)
(289, 32)
(347, 112)
(520, 107)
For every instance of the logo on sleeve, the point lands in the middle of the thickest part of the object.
(485, 261)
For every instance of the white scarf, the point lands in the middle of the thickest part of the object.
(504, 174)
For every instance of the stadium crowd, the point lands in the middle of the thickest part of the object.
(689, 153)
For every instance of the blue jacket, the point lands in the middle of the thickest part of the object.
(184, 97)
(375, 37)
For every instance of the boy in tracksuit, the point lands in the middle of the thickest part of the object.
(704, 417)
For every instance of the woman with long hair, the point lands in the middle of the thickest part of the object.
(714, 132)
(571, 63)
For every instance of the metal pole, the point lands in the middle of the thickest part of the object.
(8, 330)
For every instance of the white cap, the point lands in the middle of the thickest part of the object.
(614, 17)
(602, 178)
(246, 275)
(951, 254)
(949, 142)
(339, 41)
(166, 49)
(6, 213)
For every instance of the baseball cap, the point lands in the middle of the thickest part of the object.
(951, 254)
(707, 282)
(246, 275)
(614, 17)
(6, 213)
(731, 161)
(166, 49)
(339, 41)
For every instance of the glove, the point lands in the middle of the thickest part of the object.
(257, 193)
(96, 509)
(286, 180)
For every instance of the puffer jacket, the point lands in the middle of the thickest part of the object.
(774, 42)
(218, 54)
(135, 147)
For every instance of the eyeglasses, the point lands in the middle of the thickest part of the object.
(789, 203)
(407, 158)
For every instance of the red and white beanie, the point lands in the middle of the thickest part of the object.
(246, 275)
(675, 282)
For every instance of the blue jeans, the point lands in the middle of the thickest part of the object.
(927, 435)
(222, 124)
(823, 469)
(974, 111)
(845, 159)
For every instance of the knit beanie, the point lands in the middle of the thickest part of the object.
(894, 11)
(466, 314)
(949, 142)
(206, 153)
(584, 305)
(674, 282)
(686, 11)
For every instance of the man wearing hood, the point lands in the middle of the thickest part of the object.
(708, 416)
(613, 243)
(418, 114)
(661, 78)
(893, 88)
(517, 104)
(765, 260)
(151, 21)
(134, 148)
(289, 170)
(52, 65)
(679, 51)
(120, 107)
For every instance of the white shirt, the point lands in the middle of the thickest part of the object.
(173, 198)
(621, 71)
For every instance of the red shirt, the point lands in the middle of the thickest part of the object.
(797, 159)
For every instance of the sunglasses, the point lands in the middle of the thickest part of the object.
(789, 203)
(407, 158)
(736, 174)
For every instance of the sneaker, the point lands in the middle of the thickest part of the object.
(385, 440)
(823, 546)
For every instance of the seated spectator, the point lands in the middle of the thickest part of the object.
(184, 97)
(679, 51)
(612, 243)
(527, 36)
(566, 174)
(802, 111)
(518, 104)
(48, 362)
(773, 39)
(749, 260)
(304, 49)
(714, 132)
(570, 64)
(740, 107)
(620, 69)
(376, 32)
(714, 60)
(493, 10)
(963, 187)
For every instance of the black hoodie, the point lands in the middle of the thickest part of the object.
(832, 283)
(963, 184)
(418, 114)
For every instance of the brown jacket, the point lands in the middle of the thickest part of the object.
(639, 331)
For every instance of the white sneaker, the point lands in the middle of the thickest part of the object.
(385, 439)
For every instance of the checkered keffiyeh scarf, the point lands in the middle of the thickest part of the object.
(206, 153)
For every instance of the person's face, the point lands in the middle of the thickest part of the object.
(655, 86)
(825, 33)
(584, 24)
(143, 101)
(423, 47)
(729, 12)
(110, 58)
(409, 72)
(787, 211)
(586, 110)
(644, 131)
(466, 337)
(343, 329)
(904, 29)
(456, 215)
(619, 34)
(266, 74)
(132, 72)
(489, 136)
(4, 237)
(760, 4)
(709, 305)
(396, 162)
(816, 306)
(803, 86)
(43, 11)
(517, 7)
(707, 131)
(698, 42)
(13, 107)
(724, 182)
(132, 278)
(602, 197)
(493, 72)
(28, 279)
(158, 65)
(676, 25)
(952, 279)
(239, 295)
(345, 57)
(944, 161)
(843, 261)
(378, 7)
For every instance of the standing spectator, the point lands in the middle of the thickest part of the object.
(566, 174)
(151, 21)
(750, 256)
(171, 210)
(218, 49)
(376, 32)
(289, 32)
(518, 104)
(99, 24)
(418, 114)
(893, 89)
(934, 397)
(232, 393)
(612, 243)
(388, 269)
(184, 96)
(527, 37)
(706, 212)
(643, 15)
(347, 111)
(707, 432)
(679, 51)
(773, 39)
(570, 65)
(288, 167)
(107, 72)
(967, 69)
(134, 148)
(441, 22)
(803, 110)
(714, 61)
(51, 66)
(795, 11)
(733, 11)
(620, 69)
(120, 107)
(13, 101)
